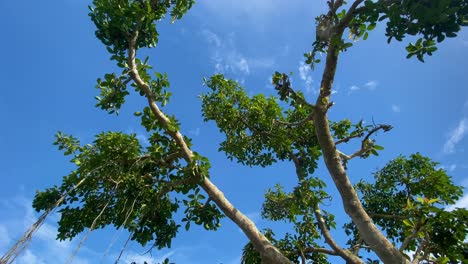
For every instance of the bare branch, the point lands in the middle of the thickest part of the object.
(321, 250)
(267, 251)
(345, 254)
(303, 258)
(355, 249)
(385, 128)
(366, 143)
(346, 139)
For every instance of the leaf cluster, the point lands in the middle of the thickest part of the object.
(127, 187)
(408, 201)
(258, 130)
(118, 20)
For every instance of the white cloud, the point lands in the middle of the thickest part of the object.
(371, 85)
(462, 203)
(256, 13)
(305, 73)
(243, 66)
(452, 167)
(396, 108)
(226, 58)
(195, 132)
(353, 88)
(456, 136)
(464, 183)
(44, 247)
(30, 258)
(5, 238)
(211, 37)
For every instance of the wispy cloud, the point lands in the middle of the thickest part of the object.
(462, 203)
(44, 248)
(354, 88)
(5, 238)
(256, 13)
(226, 58)
(452, 167)
(194, 132)
(396, 108)
(212, 38)
(455, 136)
(370, 85)
(305, 73)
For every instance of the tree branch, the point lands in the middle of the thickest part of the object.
(353, 207)
(366, 143)
(417, 255)
(388, 216)
(294, 124)
(267, 251)
(348, 17)
(346, 139)
(414, 233)
(303, 258)
(320, 250)
(345, 254)
(355, 249)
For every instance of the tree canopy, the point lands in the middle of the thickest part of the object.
(401, 216)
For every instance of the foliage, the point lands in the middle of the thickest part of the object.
(125, 184)
(409, 199)
(119, 182)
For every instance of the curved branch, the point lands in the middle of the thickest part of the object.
(320, 250)
(345, 254)
(337, 250)
(267, 251)
(353, 207)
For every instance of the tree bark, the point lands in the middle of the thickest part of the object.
(268, 253)
(352, 205)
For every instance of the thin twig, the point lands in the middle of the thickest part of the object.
(24, 241)
(93, 225)
(345, 254)
(123, 248)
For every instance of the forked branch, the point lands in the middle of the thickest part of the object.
(267, 251)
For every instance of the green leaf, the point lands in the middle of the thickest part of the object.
(408, 222)
(366, 35)
(377, 147)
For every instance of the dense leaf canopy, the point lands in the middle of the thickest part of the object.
(153, 190)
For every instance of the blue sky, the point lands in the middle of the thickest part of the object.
(51, 60)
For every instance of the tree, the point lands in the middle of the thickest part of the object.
(118, 182)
